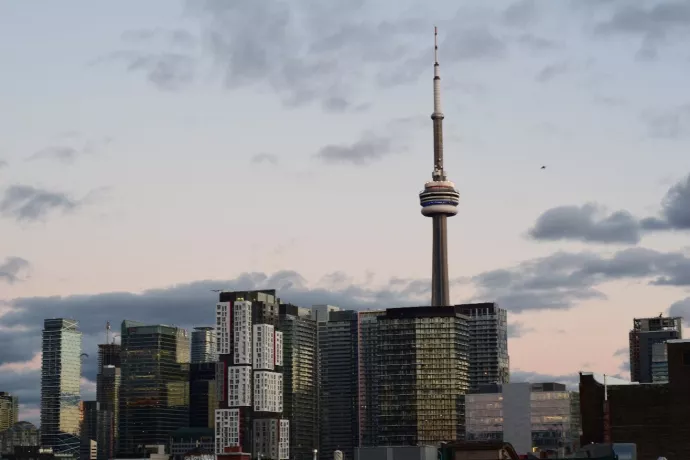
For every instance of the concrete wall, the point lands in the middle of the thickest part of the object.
(517, 416)
(397, 453)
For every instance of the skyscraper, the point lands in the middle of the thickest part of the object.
(203, 397)
(300, 380)
(204, 345)
(107, 396)
(439, 200)
(89, 430)
(9, 410)
(368, 367)
(647, 332)
(249, 377)
(60, 392)
(489, 361)
(154, 390)
(338, 399)
(423, 375)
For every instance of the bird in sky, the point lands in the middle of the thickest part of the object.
(543, 167)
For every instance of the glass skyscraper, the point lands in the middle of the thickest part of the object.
(107, 393)
(9, 410)
(154, 389)
(204, 345)
(60, 392)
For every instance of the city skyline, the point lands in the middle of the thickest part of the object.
(120, 193)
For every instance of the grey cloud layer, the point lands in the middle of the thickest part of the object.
(26, 203)
(12, 268)
(590, 223)
(563, 279)
(68, 153)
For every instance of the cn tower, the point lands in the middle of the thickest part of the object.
(439, 199)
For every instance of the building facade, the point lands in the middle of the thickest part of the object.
(89, 430)
(9, 410)
(249, 378)
(107, 396)
(368, 400)
(60, 386)
(647, 332)
(488, 327)
(203, 398)
(154, 388)
(21, 434)
(652, 416)
(423, 357)
(338, 394)
(527, 415)
(300, 380)
(204, 345)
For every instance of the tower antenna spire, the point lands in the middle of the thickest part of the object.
(439, 199)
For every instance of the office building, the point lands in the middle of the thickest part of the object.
(21, 434)
(300, 380)
(367, 376)
(9, 410)
(542, 416)
(652, 416)
(89, 430)
(338, 398)
(659, 363)
(249, 377)
(202, 395)
(196, 442)
(60, 391)
(423, 375)
(204, 345)
(154, 387)
(489, 361)
(647, 332)
(107, 396)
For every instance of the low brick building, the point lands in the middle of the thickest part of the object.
(654, 416)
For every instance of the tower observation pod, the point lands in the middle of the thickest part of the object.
(439, 199)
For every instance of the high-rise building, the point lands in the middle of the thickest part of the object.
(203, 398)
(439, 199)
(545, 416)
(338, 395)
(60, 391)
(368, 362)
(9, 410)
(107, 396)
(249, 377)
(300, 380)
(21, 434)
(645, 333)
(423, 374)
(204, 345)
(89, 430)
(489, 361)
(154, 389)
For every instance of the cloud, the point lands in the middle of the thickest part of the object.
(264, 157)
(66, 153)
(551, 71)
(536, 43)
(521, 13)
(168, 71)
(592, 224)
(26, 203)
(622, 352)
(654, 24)
(518, 329)
(681, 308)
(3, 164)
(587, 223)
(670, 123)
(563, 279)
(12, 268)
(175, 37)
(477, 43)
(366, 150)
(518, 375)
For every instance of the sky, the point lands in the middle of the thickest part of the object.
(153, 151)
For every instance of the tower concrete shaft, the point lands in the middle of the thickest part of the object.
(439, 199)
